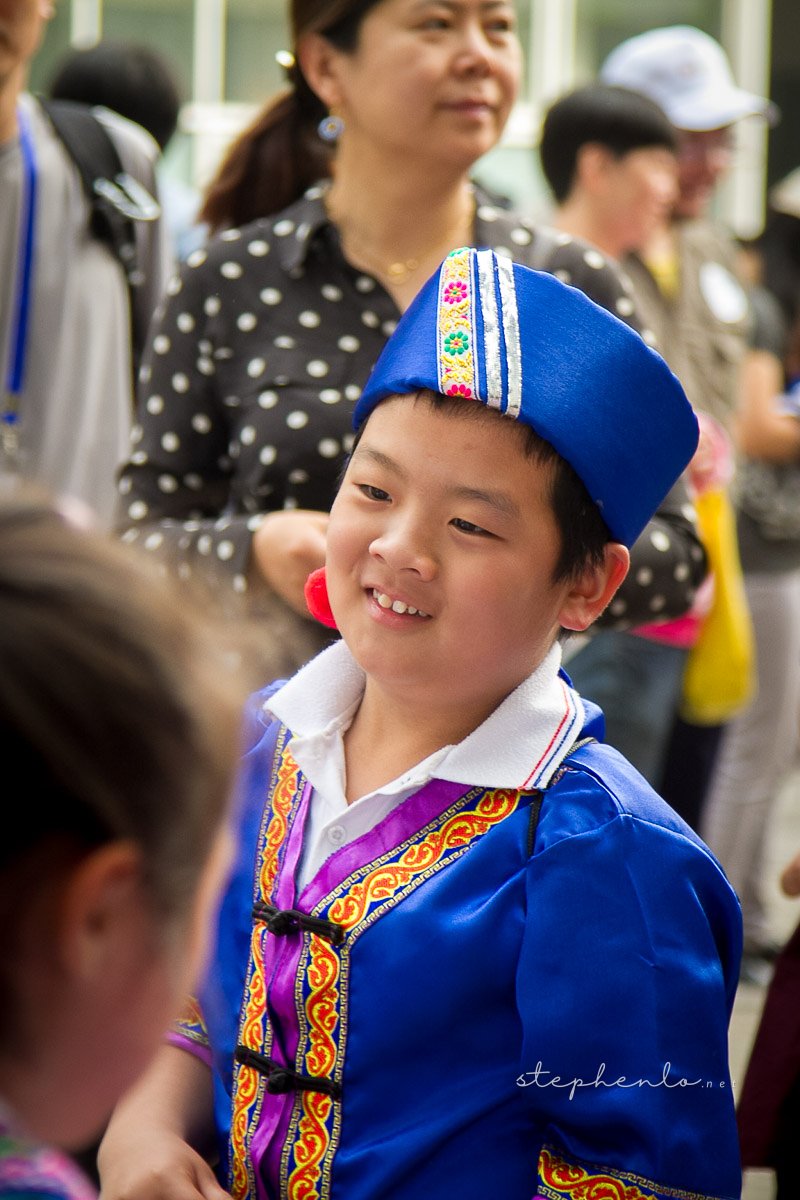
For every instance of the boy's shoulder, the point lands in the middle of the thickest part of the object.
(595, 786)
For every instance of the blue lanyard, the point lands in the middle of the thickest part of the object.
(15, 378)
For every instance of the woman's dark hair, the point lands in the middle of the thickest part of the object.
(615, 117)
(280, 154)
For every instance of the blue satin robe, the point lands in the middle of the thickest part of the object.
(517, 994)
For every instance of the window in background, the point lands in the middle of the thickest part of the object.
(167, 26)
(603, 24)
(256, 30)
(252, 32)
(56, 42)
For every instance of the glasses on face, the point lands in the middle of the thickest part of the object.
(711, 143)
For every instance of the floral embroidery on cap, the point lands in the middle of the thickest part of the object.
(457, 342)
(455, 291)
(454, 326)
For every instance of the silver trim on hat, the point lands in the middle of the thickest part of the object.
(508, 297)
(491, 329)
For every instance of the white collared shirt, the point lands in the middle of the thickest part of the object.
(521, 744)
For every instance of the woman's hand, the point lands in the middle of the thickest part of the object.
(287, 546)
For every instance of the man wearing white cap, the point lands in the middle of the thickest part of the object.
(686, 72)
(687, 286)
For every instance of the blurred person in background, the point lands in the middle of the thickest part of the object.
(329, 212)
(66, 305)
(139, 83)
(687, 284)
(759, 747)
(121, 710)
(609, 157)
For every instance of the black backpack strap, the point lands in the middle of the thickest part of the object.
(116, 199)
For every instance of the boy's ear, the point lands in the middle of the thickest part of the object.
(317, 58)
(594, 588)
(99, 900)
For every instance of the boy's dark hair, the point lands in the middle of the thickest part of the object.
(584, 533)
(131, 79)
(615, 117)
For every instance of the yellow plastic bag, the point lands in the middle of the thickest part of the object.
(719, 679)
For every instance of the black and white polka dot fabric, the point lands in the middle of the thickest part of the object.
(255, 359)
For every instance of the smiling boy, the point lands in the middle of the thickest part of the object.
(442, 509)
(449, 895)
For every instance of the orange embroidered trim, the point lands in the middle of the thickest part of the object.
(190, 1023)
(313, 1136)
(559, 1178)
(249, 1084)
(387, 883)
(316, 1134)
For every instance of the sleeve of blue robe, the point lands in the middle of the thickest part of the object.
(625, 986)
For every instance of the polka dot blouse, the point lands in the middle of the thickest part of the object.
(254, 361)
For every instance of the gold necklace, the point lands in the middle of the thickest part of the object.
(399, 270)
(396, 271)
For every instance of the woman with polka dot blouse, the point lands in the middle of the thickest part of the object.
(267, 335)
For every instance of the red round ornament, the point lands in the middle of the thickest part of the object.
(316, 594)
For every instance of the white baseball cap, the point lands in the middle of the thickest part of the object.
(687, 73)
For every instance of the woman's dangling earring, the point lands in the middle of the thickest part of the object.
(330, 128)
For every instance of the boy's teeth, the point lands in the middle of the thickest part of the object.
(396, 605)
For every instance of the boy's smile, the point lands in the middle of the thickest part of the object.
(441, 550)
(398, 606)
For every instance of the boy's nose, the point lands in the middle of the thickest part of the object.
(403, 548)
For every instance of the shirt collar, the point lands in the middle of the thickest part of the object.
(306, 217)
(520, 745)
(295, 227)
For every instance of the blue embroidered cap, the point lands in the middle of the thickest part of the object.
(541, 352)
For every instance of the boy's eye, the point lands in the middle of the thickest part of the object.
(372, 492)
(469, 527)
